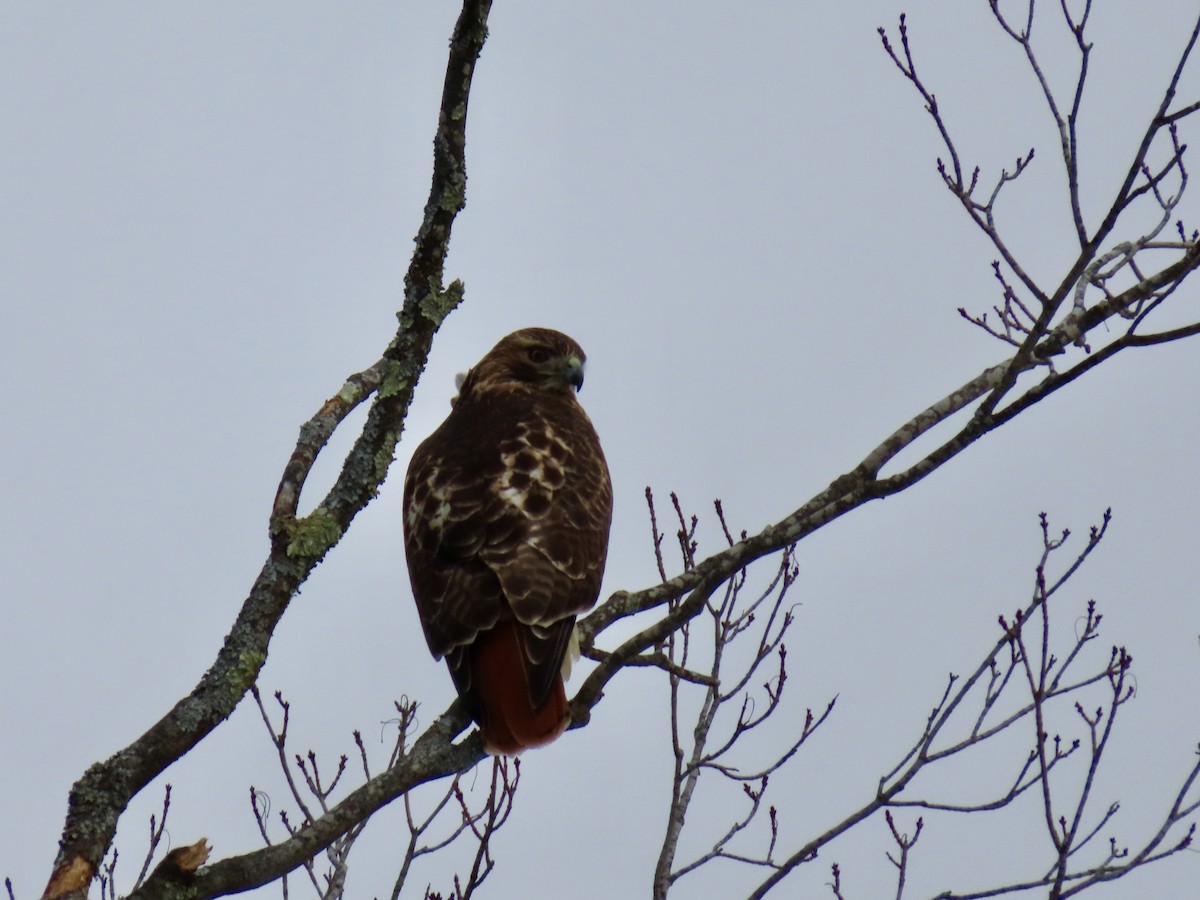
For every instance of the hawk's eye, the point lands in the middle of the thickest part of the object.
(539, 355)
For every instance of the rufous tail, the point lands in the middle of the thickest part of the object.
(500, 681)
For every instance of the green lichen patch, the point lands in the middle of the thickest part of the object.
(393, 382)
(436, 305)
(313, 535)
(452, 198)
(385, 455)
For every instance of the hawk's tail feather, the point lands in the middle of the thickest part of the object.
(500, 680)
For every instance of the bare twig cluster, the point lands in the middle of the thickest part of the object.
(975, 711)
(1110, 275)
(481, 824)
(699, 658)
(450, 818)
(158, 830)
(317, 790)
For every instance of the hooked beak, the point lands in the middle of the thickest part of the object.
(573, 372)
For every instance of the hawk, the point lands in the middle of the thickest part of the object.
(507, 507)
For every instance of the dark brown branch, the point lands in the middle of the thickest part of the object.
(432, 757)
(98, 799)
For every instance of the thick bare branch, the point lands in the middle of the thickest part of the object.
(298, 545)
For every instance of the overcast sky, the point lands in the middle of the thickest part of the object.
(205, 215)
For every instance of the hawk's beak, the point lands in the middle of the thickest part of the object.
(573, 371)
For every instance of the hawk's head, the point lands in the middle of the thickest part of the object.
(537, 358)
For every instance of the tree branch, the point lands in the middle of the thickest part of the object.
(98, 799)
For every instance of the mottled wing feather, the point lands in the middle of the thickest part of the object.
(507, 514)
(556, 478)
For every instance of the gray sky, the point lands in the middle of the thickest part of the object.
(205, 216)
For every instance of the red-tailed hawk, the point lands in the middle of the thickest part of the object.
(506, 515)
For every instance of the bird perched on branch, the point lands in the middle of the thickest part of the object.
(507, 507)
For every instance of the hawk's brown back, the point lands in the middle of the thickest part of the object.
(507, 511)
